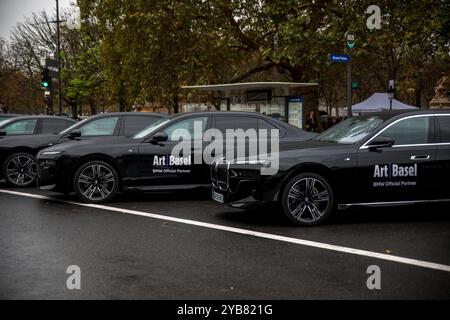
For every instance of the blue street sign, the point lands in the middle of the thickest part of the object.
(336, 57)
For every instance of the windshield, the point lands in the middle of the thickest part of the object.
(155, 126)
(351, 130)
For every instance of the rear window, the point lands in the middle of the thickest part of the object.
(54, 125)
(224, 123)
(133, 125)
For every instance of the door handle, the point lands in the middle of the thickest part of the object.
(421, 157)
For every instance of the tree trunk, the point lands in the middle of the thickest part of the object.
(175, 104)
(92, 106)
(121, 104)
(73, 108)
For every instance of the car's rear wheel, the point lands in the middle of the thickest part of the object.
(308, 199)
(20, 170)
(96, 182)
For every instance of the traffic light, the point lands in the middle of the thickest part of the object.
(45, 78)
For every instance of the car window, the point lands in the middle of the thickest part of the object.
(223, 123)
(54, 125)
(187, 127)
(132, 125)
(100, 127)
(21, 127)
(444, 125)
(409, 131)
(263, 124)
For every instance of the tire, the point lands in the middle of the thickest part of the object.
(308, 199)
(96, 182)
(20, 170)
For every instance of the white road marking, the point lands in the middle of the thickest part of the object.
(314, 244)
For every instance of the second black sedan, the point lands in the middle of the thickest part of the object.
(97, 171)
(17, 153)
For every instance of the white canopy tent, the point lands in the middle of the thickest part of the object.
(379, 102)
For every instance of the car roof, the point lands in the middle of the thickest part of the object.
(13, 119)
(109, 114)
(388, 114)
(10, 115)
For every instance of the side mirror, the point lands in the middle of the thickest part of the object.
(2, 132)
(159, 137)
(381, 142)
(76, 133)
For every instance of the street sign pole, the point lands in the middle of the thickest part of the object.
(349, 89)
(350, 44)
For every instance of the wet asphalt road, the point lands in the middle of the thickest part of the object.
(124, 256)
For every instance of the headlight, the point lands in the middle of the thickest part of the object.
(50, 153)
(264, 162)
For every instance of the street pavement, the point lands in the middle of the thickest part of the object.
(122, 255)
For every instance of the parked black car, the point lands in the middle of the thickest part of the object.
(30, 125)
(97, 171)
(371, 160)
(17, 153)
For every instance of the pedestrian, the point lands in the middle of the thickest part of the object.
(313, 122)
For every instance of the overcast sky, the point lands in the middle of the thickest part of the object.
(14, 11)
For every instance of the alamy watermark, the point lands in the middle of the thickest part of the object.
(245, 146)
(374, 280)
(374, 20)
(73, 282)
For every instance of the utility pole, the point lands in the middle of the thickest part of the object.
(349, 88)
(58, 57)
(349, 44)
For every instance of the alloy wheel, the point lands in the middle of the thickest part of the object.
(96, 182)
(308, 200)
(21, 170)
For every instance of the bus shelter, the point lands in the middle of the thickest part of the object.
(287, 101)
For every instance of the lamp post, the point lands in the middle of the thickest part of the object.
(391, 91)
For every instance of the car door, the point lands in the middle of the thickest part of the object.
(160, 166)
(403, 171)
(442, 190)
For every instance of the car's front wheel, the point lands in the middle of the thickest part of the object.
(96, 182)
(308, 199)
(20, 170)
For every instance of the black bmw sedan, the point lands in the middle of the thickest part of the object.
(371, 160)
(97, 171)
(17, 153)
